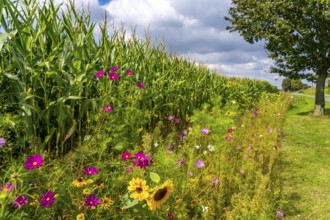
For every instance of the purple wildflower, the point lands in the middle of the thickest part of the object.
(239, 148)
(126, 156)
(20, 201)
(129, 72)
(169, 152)
(230, 130)
(107, 108)
(2, 141)
(91, 170)
(205, 131)
(199, 164)
(113, 76)
(100, 74)
(92, 201)
(177, 120)
(279, 213)
(114, 68)
(47, 199)
(140, 85)
(7, 187)
(215, 181)
(228, 138)
(170, 118)
(33, 162)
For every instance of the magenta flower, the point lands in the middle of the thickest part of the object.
(129, 169)
(91, 171)
(100, 74)
(141, 160)
(205, 131)
(177, 120)
(114, 68)
(230, 130)
(199, 164)
(113, 76)
(140, 85)
(107, 108)
(228, 138)
(129, 72)
(47, 199)
(92, 201)
(185, 132)
(33, 162)
(270, 130)
(239, 147)
(139, 155)
(169, 152)
(180, 162)
(279, 213)
(215, 181)
(170, 146)
(20, 201)
(7, 187)
(255, 114)
(126, 156)
(170, 118)
(2, 141)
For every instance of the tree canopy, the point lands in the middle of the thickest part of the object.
(296, 34)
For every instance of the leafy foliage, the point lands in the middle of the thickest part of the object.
(296, 35)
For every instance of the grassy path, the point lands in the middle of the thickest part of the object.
(305, 163)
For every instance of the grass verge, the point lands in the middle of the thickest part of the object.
(305, 163)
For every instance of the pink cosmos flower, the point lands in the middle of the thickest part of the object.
(230, 130)
(47, 199)
(129, 72)
(239, 148)
(228, 138)
(91, 170)
(114, 68)
(140, 85)
(20, 201)
(113, 76)
(199, 164)
(215, 181)
(170, 118)
(33, 162)
(107, 108)
(205, 131)
(92, 201)
(255, 114)
(177, 120)
(7, 187)
(169, 152)
(126, 156)
(100, 74)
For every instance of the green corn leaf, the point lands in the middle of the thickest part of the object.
(5, 36)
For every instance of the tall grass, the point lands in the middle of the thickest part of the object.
(48, 67)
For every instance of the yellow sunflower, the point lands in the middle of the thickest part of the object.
(139, 189)
(160, 195)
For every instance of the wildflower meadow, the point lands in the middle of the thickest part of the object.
(114, 127)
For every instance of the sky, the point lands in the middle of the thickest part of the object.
(194, 29)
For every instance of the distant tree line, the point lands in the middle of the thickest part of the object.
(293, 85)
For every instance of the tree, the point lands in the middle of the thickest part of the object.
(286, 84)
(296, 34)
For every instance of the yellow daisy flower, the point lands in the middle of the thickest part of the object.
(139, 189)
(160, 195)
(80, 182)
(86, 191)
(105, 202)
(81, 216)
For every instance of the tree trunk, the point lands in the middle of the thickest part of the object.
(319, 95)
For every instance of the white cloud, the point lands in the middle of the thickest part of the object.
(192, 28)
